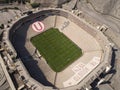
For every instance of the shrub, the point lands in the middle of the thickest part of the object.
(35, 5)
(16, 8)
(2, 26)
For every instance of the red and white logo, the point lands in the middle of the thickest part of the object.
(38, 26)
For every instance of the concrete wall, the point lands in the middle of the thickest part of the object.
(103, 41)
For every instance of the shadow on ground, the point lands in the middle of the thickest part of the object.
(18, 41)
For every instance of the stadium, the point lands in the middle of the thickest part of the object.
(84, 52)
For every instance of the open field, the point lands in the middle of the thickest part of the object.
(56, 48)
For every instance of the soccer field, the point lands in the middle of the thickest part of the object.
(57, 49)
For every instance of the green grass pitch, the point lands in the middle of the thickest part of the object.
(58, 50)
